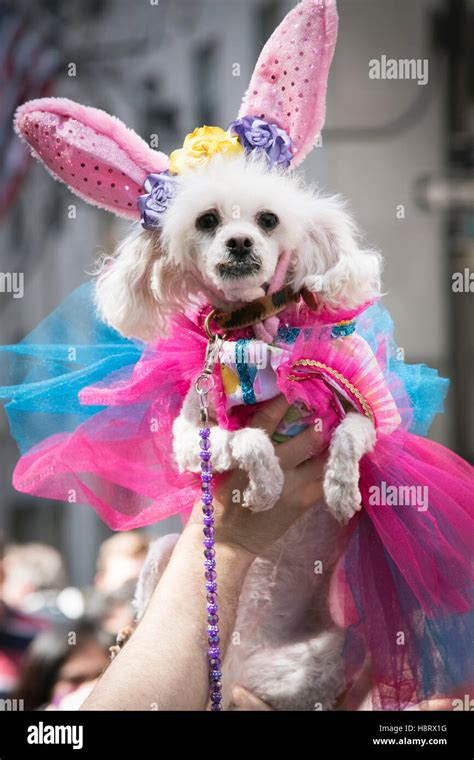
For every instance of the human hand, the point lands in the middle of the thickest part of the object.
(243, 699)
(255, 531)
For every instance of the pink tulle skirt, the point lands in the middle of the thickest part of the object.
(403, 586)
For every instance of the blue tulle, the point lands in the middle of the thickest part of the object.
(426, 390)
(43, 374)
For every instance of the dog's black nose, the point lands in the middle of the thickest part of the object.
(239, 246)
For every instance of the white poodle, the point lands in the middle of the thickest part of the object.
(222, 236)
(231, 220)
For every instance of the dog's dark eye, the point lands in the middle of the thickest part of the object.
(268, 221)
(208, 221)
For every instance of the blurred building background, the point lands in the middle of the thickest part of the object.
(400, 151)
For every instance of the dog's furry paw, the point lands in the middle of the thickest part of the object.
(341, 493)
(354, 437)
(253, 451)
(187, 458)
(221, 450)
(187, 452)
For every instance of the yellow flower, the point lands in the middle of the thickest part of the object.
(200, 146)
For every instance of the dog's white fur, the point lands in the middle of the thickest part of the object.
(289, 660)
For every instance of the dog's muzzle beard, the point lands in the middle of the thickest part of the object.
(234, 269)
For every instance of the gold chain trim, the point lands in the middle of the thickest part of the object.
(345, 382)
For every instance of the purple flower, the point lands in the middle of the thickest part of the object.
(257, 134)
(159, 190)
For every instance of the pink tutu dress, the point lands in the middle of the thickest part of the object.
(403, 586)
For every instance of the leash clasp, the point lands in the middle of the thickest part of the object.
(205, 382)
(207, 324)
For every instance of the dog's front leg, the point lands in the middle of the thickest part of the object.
(186, 439)
(253, 451)
(354, 437)
(249, 449)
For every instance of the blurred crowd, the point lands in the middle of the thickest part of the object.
(54, 638)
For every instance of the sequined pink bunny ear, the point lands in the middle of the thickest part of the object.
(101, 160)
(289, 83)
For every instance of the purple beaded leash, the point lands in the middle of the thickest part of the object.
(204, 384)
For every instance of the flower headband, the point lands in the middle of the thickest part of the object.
(248, 134)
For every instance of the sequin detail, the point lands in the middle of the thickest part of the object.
(288, 334)
(246, 374)
(343, 329)
(289, 84)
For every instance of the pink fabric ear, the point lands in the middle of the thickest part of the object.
(289, 83)
(95, 154)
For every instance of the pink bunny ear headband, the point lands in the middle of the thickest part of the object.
(282, 114)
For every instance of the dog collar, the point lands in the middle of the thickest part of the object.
(272, 304)
(251, 313)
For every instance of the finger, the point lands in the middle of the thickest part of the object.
(270, 415)
(300, 448)
(312, 468)
(245, 700)
(308, 482)
(436, 705)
